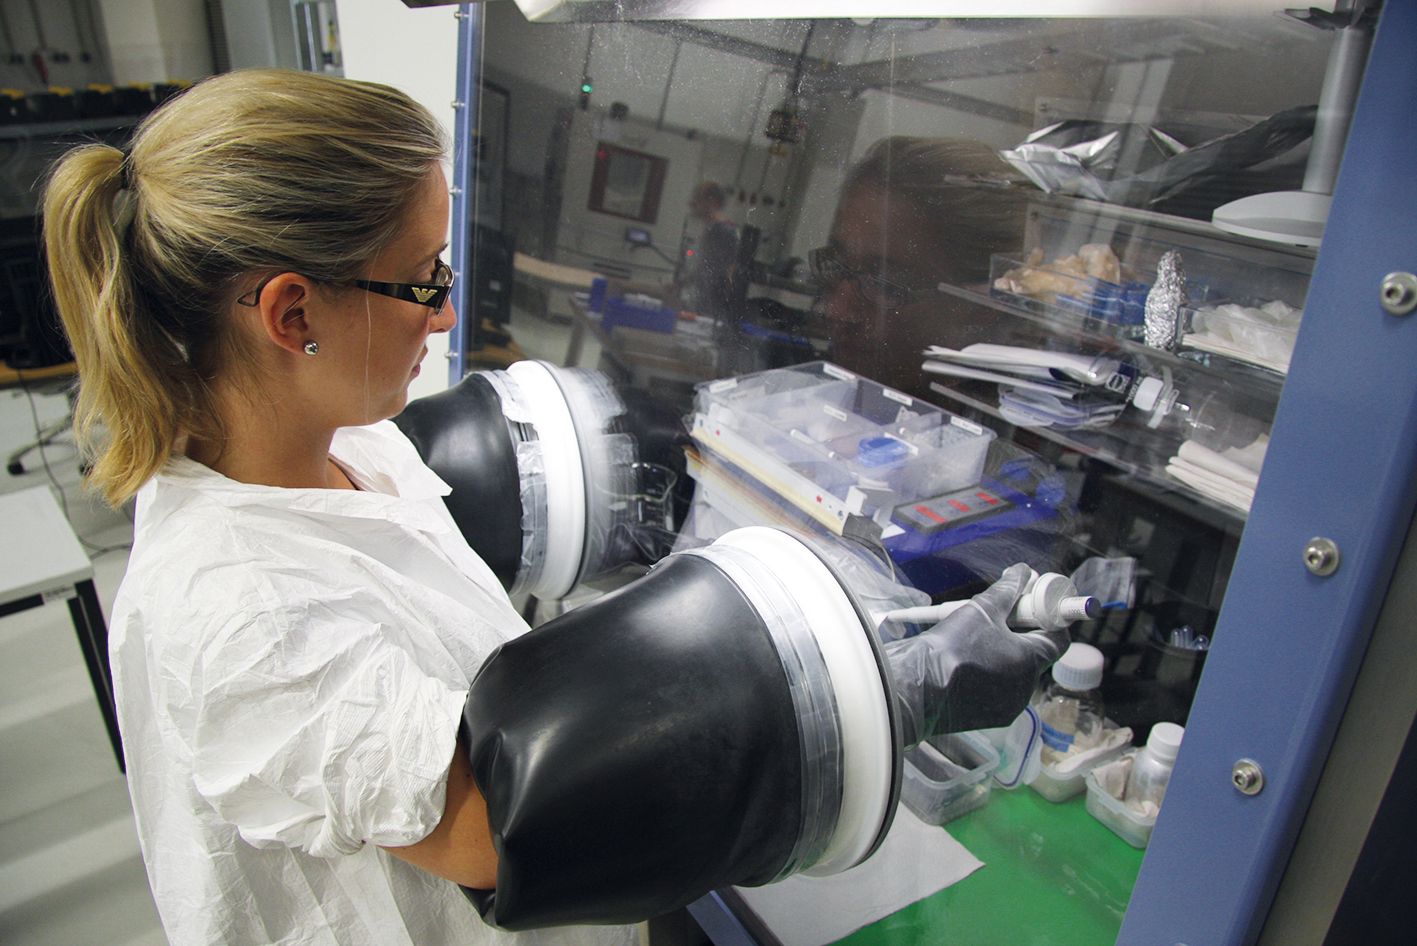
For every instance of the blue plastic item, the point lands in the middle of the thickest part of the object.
(597, 293)
(619, 312)
(881, 451)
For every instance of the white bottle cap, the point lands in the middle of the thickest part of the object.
(1080, 668)
(1148, 392)
(1165, 741)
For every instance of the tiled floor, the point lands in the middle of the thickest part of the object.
(70, 869)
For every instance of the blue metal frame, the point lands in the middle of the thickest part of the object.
(1341, 464)
(469, 65)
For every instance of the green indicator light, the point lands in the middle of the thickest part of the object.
(586, 88)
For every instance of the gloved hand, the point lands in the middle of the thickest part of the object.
(970, 671)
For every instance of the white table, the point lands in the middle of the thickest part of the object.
(42, 561)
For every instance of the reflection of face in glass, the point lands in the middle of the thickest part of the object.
(830, 269)
(888, 253)
(879, 259)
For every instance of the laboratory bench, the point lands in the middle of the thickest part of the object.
(51, 566)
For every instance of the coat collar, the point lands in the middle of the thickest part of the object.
(394, 483)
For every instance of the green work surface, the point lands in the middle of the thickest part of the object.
(1053, 876)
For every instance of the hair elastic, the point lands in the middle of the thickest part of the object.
(125, 170)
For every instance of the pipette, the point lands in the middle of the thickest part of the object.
(1050, 602)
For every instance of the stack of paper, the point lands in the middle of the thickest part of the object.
(1037, 388)
(1229, 475)
(916, 860)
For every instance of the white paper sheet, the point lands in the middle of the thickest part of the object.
(915, 861)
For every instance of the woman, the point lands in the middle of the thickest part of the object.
(249, 292)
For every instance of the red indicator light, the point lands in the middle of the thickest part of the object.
(962, 507)
(930, 514)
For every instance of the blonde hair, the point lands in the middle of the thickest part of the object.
(972, 202)
(248, 172)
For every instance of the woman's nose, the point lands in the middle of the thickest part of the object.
(842, 304)
(445, 320)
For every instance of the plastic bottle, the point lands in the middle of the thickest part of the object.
(1151, 769)
(1223, 416)
(1070, 708)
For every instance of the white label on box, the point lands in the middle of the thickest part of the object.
(896, 396)
(835, 412)
(841, 374)
(796, 434)
(723, 385)
(968, 425)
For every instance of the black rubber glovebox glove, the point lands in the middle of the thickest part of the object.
(462, 436)
(635, 753)
(971, 671)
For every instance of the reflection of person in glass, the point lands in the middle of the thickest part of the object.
(716, 258)
(914, 213)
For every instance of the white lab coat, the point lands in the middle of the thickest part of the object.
(290, 668)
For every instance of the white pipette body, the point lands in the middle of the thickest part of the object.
(1049, 602)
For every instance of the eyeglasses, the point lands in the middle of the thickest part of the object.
(434, 295)
(830, 270)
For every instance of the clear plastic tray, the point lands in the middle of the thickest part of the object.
(1117, 308)
(1128, 824)
(817, 428)
(1255, 332)
(1102, 306)
(948, 776)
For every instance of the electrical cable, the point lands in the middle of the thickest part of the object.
(94, 550)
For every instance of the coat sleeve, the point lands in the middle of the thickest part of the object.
(316, 730)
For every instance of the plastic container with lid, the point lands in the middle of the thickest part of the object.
(1070, 707)
(1151, 769)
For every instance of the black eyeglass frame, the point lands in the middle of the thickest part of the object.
(829, 270)
(434, 295)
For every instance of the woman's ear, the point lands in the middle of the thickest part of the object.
(284, 308)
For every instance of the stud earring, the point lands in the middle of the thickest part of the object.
(312, 347)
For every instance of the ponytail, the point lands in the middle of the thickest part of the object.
(131, 373)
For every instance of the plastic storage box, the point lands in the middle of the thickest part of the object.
(1116, 308)
(1059, 788)
(948, 776)
(1104, 784)
(1259, 332)
(1052, 290)
(819, 434)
